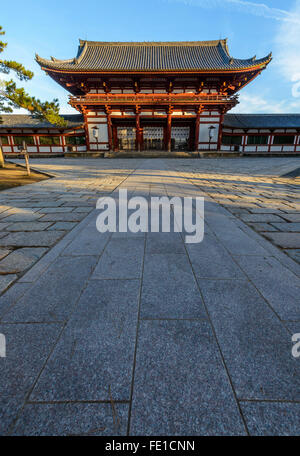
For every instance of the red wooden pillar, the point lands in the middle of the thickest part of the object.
(109, 128)
(169, 128)
(138, 128)
(86, 129)
(115, 138)
(197, 126)
(222, 112)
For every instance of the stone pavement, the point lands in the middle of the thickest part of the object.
(259, 195)
(123, 334)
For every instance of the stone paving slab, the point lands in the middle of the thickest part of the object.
(89, 242)
(233, 239)
(23, 217)
(279, 286)
(262, 218)
(164, 243)
(28, 347)
(295, 254)
(6, 281)
(295, 218)
(285, 240)
(255, 345)
(11, 296)
(63, 420)
(27, 226)
(31, 239)
(3, 226)
(4, 253)
(272, 419)
(169, 289)
(54, 296)
(62, 217)
(21, 259)
(55, 210)
(122, 259)
(94, 356)
(260, 227)
(288, 227)
(62, 226)
(180, 386)
(210, 259)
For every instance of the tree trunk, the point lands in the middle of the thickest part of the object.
(1, 158)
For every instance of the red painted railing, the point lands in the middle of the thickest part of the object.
(156, 98)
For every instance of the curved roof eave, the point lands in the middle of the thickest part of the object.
(196, 56)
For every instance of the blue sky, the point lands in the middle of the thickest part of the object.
(252, 27)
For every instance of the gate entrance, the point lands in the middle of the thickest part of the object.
(126, 138)
(153, 138)
(180, 138)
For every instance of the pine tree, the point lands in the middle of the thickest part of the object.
(13, 97)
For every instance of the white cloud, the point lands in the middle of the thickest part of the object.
(255, 104)
(257, 9)
(252, 104)
(288, 51)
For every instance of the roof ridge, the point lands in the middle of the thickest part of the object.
(154, 43)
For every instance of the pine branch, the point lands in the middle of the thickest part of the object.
(7, 65)
(13, 97)
(19, 98)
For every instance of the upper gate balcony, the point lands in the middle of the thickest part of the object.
(153, 99)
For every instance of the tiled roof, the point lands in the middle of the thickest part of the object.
(262, 120)
(27, 121)
(152, 56)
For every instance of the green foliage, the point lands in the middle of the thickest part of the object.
(13, 97)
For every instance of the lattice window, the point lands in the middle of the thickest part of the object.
(180, 138)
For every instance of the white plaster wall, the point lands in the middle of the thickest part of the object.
(204, 135)
(103, 132)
